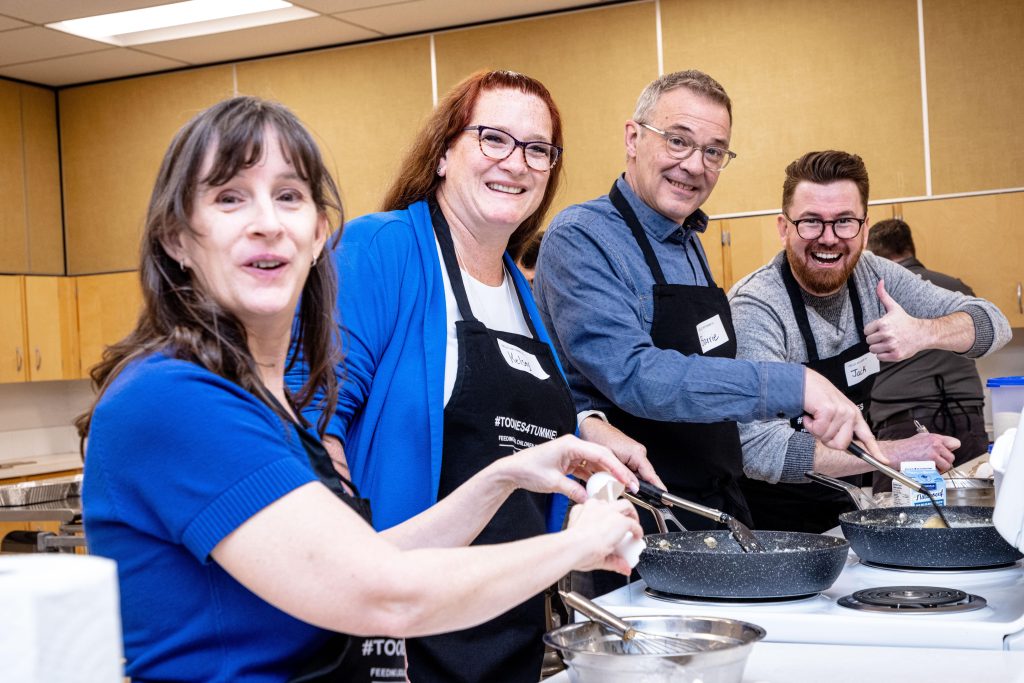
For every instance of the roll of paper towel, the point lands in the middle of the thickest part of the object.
(60, 621)
(604, 486)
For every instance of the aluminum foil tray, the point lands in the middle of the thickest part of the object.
(32, 492)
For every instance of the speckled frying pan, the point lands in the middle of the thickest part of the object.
(711, 564)
(895, 536)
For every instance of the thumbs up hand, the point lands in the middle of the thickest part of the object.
(896, 335)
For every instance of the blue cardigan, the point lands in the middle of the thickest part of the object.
(390, 412)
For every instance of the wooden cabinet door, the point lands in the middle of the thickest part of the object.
(52, 320)
(976, 239)
(108, 306)
(13, 363)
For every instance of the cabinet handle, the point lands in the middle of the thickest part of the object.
(1020, 304)
(17, 353)
(39, 359)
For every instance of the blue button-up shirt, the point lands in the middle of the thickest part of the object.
(594, 291)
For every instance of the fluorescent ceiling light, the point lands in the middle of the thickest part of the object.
(181, 20)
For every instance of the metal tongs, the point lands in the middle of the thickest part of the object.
(898, 476)
(661, 512)
(741, 532)
(862, 500)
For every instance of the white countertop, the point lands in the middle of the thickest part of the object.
(803, 663)
(29, 465)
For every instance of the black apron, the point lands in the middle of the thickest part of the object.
(812, 507)
(344, 658)
(508, 395)
(700, 462)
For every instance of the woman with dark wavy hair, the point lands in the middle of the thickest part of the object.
(448, 366)
(241, 553)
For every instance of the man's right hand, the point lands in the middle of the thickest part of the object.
(833, 419)
(935, 447)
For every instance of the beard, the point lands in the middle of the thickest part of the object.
(819, 281)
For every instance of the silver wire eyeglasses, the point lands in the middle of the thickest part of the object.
(499, 145)
(715, 158)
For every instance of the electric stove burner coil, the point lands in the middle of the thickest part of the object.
(913, 600)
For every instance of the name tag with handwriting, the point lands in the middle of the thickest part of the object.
(711, 333)
(521, 360)
(859, 369)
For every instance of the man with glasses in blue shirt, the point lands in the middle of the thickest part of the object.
(825, 302)
(644, 333)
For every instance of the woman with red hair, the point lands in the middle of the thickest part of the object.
(447, 364)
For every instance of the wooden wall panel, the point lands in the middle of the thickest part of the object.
(42, 182)
(975, 57)
(976, 239)
(14, 249)
(113, 136)
(595, 63)
(795, 89)
(364, 104)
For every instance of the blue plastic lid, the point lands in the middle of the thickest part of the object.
(1017, 381)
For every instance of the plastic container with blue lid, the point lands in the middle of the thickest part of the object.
(1007, 402)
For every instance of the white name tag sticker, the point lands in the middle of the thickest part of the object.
(712, 333)
(521, 360)
(859, 369)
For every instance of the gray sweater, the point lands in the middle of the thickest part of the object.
(766, 330)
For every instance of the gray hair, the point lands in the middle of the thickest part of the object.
(695, 81)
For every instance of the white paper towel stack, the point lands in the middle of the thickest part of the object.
(604, 486)
(59, 619)
(1008, 516)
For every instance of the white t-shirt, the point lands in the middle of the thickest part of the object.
(496, 307)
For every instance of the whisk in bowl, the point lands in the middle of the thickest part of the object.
(633, 642)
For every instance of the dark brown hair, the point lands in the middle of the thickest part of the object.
(177, 316)
(418, 178)
(822, 168)
(891, 239)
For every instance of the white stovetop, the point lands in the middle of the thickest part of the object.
(804, 663)
(820, 620)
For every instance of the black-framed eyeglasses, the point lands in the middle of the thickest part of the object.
(845, 228)
(679, 147)
(499, 145)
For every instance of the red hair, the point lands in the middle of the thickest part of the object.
(418, 177)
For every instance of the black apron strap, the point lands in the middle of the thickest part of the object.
(796, 300)
(628, 215)
(443, 233)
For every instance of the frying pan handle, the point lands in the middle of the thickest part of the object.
(898, 476)
(862, 500)
(665, 498)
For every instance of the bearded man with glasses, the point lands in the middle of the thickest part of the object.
(842, 311)
(644, 333)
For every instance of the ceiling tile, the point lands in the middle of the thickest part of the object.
(426, 15)
(47, 11)
(6, 24)
(35, 43)
(334, 6)
(262, 40)
(93, 66)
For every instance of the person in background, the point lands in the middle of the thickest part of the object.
(235, 561)
(527, 261)
(447, 365)
(824, 302)
(935, 390)
(644, 333)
